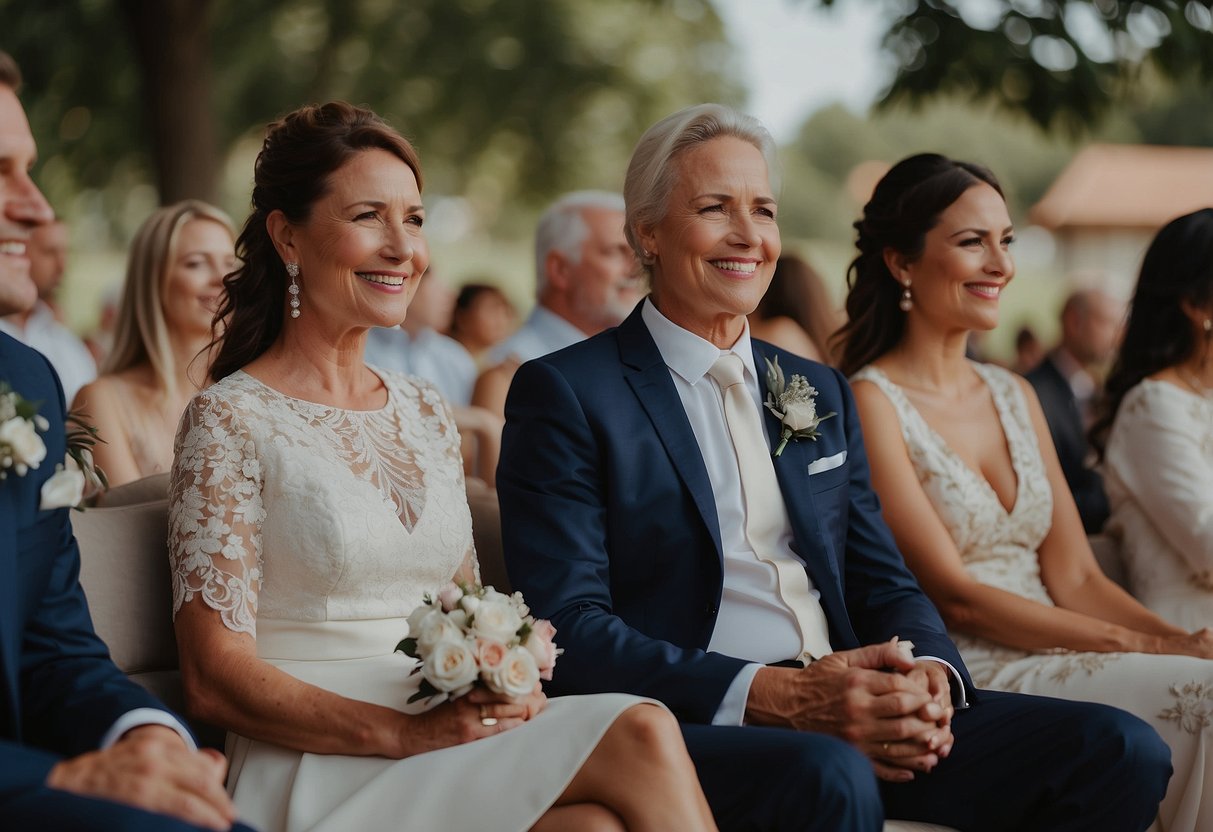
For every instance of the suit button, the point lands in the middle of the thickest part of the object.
(710, 609)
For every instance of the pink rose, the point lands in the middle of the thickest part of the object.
(449, 596)
(490, 654)
(543, 648)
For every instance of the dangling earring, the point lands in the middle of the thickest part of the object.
(907, 301)
(1208, 324)
(292, 269)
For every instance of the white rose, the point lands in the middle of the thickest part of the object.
(25, 446)
(497, 620)
(451, 666)
(800, 415)
(449, 596)
(517, 675)
(419, 615)
(469, 604)
(65, 488)
(436, 629)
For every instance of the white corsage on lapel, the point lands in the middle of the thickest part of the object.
(827, 463)
(794, 403)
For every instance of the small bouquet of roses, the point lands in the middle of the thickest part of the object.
(472, 634)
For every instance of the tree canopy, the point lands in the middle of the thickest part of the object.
(508, 101)
(1064, 63)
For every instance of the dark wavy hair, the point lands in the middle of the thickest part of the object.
(300, 154)
(1178, 267)
(906, 205)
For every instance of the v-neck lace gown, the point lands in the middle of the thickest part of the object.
(317, 530)
(999, 548)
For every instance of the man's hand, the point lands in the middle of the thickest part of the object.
(893, 718)
(151, 768)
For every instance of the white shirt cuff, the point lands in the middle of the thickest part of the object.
(732, 707)
(146, 716)
(959, 700)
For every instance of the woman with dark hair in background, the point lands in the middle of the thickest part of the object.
(1157, 424)
(483, 318)
(797, 312)
(315, 502)
(970, 484)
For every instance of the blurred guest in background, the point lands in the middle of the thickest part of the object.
(1157, 424)
(40, 327)
(173, 287)
(1029, 352)
(586, 280)
(483, 318)
(101, 340)
(797, 312)
(1067, 383)
(418, 347)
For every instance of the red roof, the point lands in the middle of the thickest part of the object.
(1127, 186)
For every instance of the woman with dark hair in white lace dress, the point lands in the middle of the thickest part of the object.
(970, 484)
(315, 501)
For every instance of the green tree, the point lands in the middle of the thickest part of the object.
(1064, 63)
(509, 101)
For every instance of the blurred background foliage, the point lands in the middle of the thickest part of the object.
(510, 102)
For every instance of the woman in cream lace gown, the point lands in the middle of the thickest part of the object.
(971, 487)
(316, 500)
(1156, 430)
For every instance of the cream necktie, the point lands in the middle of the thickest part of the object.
(766, 514)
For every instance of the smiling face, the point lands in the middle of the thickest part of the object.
(361, 252)
(22, 206)
(715, 249)
(965, 263)
(194, 282)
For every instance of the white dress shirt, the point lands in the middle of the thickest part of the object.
(753, 622)
(72, 361)
(543, 332)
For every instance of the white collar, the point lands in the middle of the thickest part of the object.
(686, 353)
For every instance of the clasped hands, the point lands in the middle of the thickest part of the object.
(893, 708)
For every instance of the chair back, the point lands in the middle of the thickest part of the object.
(486, 532)
(124, 569)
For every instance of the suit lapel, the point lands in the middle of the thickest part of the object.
(10, 608)
(649, 378)
(791, 469)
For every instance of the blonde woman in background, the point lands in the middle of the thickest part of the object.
(174, 280)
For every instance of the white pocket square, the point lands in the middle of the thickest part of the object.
(827, 463)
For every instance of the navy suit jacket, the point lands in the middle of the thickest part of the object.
(1065, 424)
(610, 530)
(59, 690)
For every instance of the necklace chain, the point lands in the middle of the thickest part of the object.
(1192, 380)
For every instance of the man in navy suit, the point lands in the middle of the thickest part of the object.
(629, 494)
(81, 746)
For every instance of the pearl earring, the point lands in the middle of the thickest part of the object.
(292, 269)
(907, 301)
(1208, 324)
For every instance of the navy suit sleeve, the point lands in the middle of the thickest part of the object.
(882, 595)
(69, 692)
(552, 482)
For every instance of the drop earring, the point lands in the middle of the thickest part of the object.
(907, 301)
(292, 269)
(1208, 324)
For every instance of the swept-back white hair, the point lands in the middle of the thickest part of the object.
(563, 228)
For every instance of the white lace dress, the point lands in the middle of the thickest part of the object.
(1158, 470)
(1172, 693)
(317, 530)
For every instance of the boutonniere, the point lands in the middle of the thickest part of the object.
(21, 449)
(794, 403)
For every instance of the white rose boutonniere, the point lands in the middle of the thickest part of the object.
(21, 449)
(794, 403)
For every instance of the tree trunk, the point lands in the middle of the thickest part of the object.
(172, 46)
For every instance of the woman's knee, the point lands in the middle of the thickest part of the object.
(651, 729)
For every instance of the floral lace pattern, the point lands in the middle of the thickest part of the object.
(272, 497)
(1193, 708)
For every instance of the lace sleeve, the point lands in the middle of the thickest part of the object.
(215, 513)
